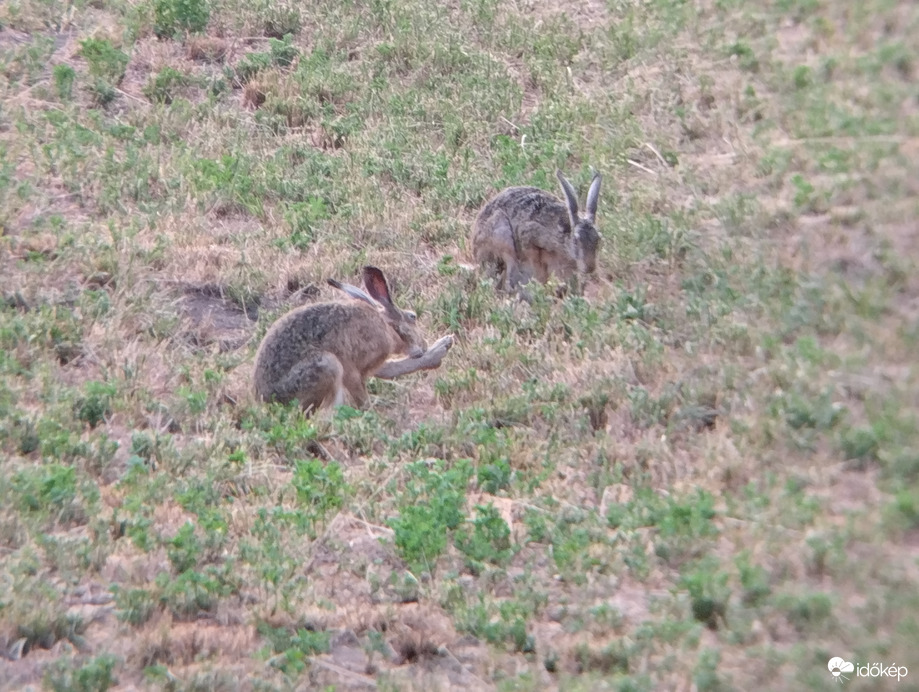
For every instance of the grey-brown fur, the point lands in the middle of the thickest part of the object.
(526, 232)
(322, 354)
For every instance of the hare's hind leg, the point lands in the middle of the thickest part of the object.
(502, 247)
(316, 381)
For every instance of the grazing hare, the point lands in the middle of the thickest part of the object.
(525, 232)
(318, 353)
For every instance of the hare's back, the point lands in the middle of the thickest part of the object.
(312, 327)
(522, 204)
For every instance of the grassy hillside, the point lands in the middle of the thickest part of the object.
(701, 474)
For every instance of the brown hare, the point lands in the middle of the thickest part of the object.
(525, 232)
(322, 354)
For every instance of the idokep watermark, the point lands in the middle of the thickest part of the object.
(839, 667)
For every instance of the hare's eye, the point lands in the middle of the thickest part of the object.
(411, 315)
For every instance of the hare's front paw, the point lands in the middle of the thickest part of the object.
(438, 350)
(442, 345)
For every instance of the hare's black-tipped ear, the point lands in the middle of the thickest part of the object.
(571, 198)
(352, 291)
(376, 286)
(593, 197)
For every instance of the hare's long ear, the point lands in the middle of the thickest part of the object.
(571, 198)
(353, 291)
(378, 288)
(593, 197)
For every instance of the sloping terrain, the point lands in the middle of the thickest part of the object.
(701, 474)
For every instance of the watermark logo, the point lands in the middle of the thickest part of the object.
(837, 666)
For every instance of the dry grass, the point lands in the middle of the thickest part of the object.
(702, 474)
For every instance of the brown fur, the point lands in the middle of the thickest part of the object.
(525, 232)
(318, 354)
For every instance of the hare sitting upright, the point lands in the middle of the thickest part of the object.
(319, 353)
(525, 232)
